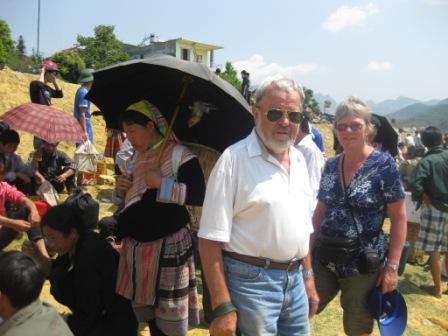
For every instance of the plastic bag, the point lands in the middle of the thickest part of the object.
(48, 193)
(86, 157)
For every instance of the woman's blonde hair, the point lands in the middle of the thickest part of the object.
(356, 107)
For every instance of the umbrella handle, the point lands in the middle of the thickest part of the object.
(186, 80)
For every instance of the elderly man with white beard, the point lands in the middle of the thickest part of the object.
(256, 224)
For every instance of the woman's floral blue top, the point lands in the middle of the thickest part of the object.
(376, 183)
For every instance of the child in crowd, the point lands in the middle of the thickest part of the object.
(18, 173)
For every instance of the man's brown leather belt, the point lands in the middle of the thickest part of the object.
(291, 265)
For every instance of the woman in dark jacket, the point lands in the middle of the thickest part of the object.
(83, 276)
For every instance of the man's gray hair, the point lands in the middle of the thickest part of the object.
(354, 106)
(280, 83)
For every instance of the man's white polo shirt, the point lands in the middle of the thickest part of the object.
(254, 206)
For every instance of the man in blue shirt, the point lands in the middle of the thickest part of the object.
(82, 105)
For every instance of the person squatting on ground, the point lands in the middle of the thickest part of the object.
(41, 93)
(23, 314)
(357, 189)
(256, 223)
(157, 269)
(429, 185)
(21, 217)
(83, 276)
(50, 164)
(18, 173)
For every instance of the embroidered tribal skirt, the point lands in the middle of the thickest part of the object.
(175, 303)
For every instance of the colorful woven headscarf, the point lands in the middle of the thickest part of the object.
(152, 112)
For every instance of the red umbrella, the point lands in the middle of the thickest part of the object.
(45, 122)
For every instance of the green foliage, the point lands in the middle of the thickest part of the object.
(20, 47)
(103, 49)
(230, 75)
(310, 101)
(21, 63)
(70, 64)
(6, 42)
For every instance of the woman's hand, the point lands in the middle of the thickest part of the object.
(19, 225)
(123, 184)
(388, 280)
(153, 179)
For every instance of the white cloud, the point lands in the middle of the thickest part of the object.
(379, 66)
(349, 16)
(259, 69)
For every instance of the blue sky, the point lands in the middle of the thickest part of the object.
(374, 49)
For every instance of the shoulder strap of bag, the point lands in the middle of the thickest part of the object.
(348, 203)
(176, 158)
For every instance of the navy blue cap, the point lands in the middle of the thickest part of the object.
(389, 310)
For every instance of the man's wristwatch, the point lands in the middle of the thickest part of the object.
(392, 267)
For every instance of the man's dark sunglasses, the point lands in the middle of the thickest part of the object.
(276, 114)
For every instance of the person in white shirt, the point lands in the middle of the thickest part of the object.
(314, 158)
(256, 224)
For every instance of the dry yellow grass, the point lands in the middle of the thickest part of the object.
(428, 316)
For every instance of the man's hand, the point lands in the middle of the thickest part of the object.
(313, 297)
(388, 280)
(61, 178)
(122, 184)
(40, 179)
(19, 225)
(224, 325)
(34, 218)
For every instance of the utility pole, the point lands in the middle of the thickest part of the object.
(38, 26)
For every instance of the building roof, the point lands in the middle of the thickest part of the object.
(198, 44)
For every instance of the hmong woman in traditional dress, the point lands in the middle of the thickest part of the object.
(156, 270)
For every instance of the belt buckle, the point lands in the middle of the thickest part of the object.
(291, 263)
(267, 263)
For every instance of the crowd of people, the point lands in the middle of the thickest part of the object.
(283, 228)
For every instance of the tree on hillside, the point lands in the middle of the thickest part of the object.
(310, 101)
(230, 75)
(103, 49)
(70, 64)
(20, 47)
(6, 42)
(327, 105)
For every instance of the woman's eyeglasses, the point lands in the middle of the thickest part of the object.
(276, 114)
(353, 127)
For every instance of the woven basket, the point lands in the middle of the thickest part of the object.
(207, 158)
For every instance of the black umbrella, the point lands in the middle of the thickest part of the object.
(385, 134)
(211, 112)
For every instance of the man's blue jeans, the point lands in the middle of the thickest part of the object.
(269, 301)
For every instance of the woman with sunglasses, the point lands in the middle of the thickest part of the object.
(358, 188)
(41, 93)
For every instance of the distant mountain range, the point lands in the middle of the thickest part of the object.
(406, 111)
(422, 115)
